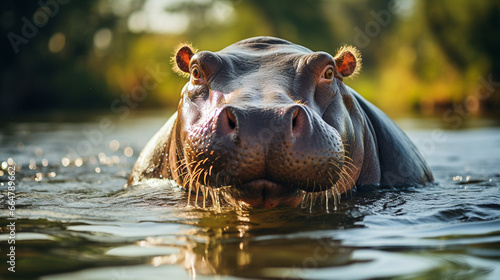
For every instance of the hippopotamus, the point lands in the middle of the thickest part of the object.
(270, 121)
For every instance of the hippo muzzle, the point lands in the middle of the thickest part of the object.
(266, 154)
(268, 121)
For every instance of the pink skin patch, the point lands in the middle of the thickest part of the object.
(217, 97)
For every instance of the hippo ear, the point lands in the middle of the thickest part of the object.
(348, 61)
(181, 59)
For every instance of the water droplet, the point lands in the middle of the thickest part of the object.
(20, 146)
(114, 145)
(97, 170)
(336, 198)
(326, 204)
(204, 191)
(78, 162)
(102, 158)
(128, 151)
(115, 159)
(38, 152)
(4, 165)
(65, 161)
(310, 199)
(45, 162)
(32, 165)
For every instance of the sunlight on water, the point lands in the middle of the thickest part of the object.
(77, 221)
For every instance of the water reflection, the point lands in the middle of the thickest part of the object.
(257, 243)
(76, 221)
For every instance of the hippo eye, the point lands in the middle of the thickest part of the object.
(196, 73)
(328, 74)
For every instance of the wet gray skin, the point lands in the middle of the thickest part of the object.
(269, 121)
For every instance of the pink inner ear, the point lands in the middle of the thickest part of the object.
(183, 58)
(346, 64)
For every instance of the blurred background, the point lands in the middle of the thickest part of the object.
(420, 58)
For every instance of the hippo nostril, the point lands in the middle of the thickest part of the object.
(300, 124)
(231, 119)
(227, 121)
(294, 117)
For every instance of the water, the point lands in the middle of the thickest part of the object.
(75, 219)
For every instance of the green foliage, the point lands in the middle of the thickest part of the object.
(87, 54)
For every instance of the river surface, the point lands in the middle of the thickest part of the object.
(76, 220)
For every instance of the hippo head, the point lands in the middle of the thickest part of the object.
(266, 120)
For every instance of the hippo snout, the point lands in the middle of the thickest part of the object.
(286, 123)
(274, 151)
